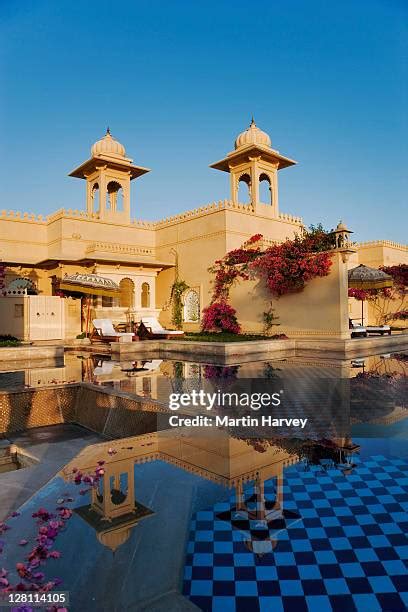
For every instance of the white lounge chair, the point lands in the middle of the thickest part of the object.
(104, 367)
(107, 333)
(378, 329)
(357, 330)
(151, 329)
(152, 365)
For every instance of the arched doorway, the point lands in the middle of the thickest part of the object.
(127, 293)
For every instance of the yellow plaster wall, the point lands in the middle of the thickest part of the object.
(321, 309)
(14, 317)
(201, 240)
(72, 317)
(198, 242)
(22, 240)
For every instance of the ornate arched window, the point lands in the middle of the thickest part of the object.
(244, 189)
(127, 293)
(95, 198)
(22, 285)
(191, 306)
(114, 196)
(145, 295)
(265, 189)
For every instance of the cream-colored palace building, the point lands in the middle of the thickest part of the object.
(102, 238)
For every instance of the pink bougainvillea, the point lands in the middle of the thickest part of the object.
(287, 267)
(369, 294)
(220, 317)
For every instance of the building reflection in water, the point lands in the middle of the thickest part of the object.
(114, 511)
(235, 464)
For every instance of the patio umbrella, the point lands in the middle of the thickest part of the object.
(364, 277)
(89, 284)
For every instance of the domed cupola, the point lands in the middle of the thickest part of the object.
(108, 173)
(253, 166)
(108, 146)
(252, 136)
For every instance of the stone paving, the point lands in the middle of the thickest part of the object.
(51, 448)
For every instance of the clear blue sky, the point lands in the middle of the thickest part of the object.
(177, 81)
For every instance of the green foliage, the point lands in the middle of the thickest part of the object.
(318, 238)
(8, 340)
(176, 299)
(81, 336)
(270, 320)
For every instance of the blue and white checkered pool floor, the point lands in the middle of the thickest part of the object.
(341, 545)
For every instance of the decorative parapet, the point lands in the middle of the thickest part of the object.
(140, 224)
(290, 219)
(125, 249)
(204, 210)
(268, 242)
(13, 215)
(381, 243)
(214, 207)
(74, 213)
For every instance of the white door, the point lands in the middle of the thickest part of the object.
(45, 318)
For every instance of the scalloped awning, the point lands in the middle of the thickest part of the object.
(90, 284)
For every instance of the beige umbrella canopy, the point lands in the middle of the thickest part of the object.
(364, 277)
(88, 285)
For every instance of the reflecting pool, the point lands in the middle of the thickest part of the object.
(224, 519)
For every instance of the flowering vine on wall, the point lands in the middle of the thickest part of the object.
(285, 268)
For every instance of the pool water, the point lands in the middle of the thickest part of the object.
(231, 523)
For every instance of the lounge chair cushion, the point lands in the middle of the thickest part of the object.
(378, 328)
(105, 328)
(153, 324)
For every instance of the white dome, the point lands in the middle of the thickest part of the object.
(108, 146)
(253, 135)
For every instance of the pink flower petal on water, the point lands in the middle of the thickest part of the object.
(23, 542)
(54, 554)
